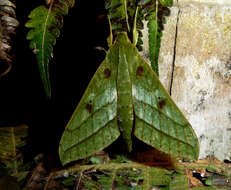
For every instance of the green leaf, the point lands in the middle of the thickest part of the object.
(95, 160)
(11, 139)
(68, 181)
(45, 24)
(167, 3)
(125, 176)
(126, 97)
(121, 159)
(154, 35)
(154, 12)
(179, 182)
(208, 181)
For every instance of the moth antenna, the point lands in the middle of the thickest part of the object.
(126, 12)
(135, 32)
(110, 37)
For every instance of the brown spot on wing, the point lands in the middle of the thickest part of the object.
(162, 103)
(89, 107)
(107, 72)
(140, 71)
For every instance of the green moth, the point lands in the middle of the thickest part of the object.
(125, 97)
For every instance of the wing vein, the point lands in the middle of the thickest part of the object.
(91, 115)
(163, 132)
(85, 139)
(160, 112)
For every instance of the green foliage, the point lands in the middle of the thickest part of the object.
(122, 15)
(12, 139)
(154, 36)
(10, 142)
(125, 176)
(133, 175)
(167, 3)
(117, 12)
(45, 24)
(179, 182)
(155, 12)
(126, 93)
(121, 159)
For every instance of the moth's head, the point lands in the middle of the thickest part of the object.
(122, 37)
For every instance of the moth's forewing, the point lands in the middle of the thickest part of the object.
(93, 125)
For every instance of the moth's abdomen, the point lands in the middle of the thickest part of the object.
(124, 104)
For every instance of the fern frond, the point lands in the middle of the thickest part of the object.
(155, 12)
(8, 24)
(122, 17)
(45, 23)
(154, 35)
(118, 15)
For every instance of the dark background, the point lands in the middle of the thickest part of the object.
(22, 97)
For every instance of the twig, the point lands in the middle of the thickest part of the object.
(48, 181)
(78, 182)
